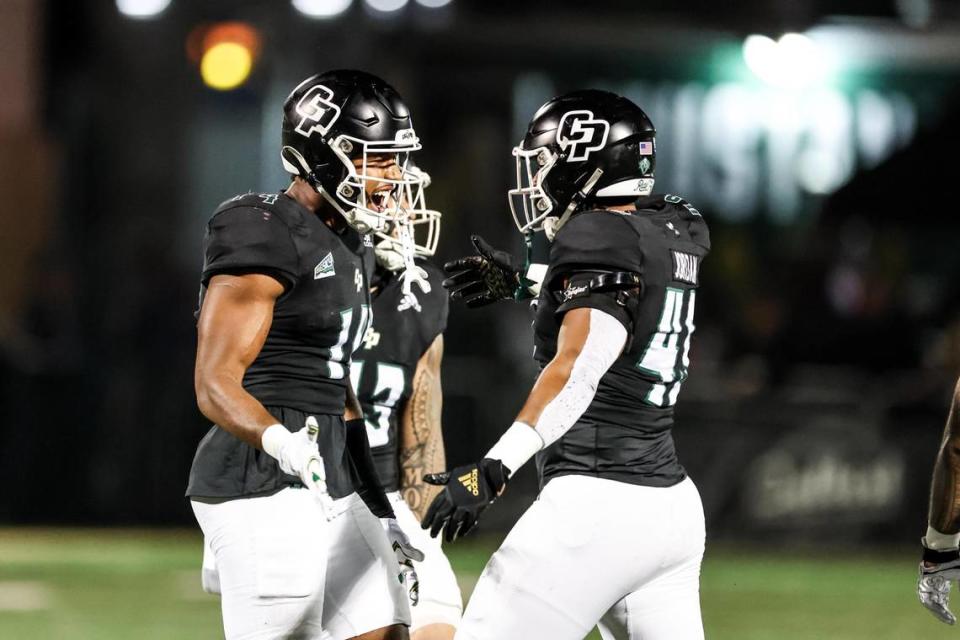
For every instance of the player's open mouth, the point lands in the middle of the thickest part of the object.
(380, 198)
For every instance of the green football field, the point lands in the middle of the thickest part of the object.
(106, 584)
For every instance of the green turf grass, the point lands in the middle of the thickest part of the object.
(113, 584)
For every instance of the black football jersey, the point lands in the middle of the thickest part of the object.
(625, 433)
(318, 322)
(384, 365)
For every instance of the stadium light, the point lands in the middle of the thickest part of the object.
(226, 53)
(792, 62)
(433, 4)
(322, 9)
(386, 6)
(142, 9)
(226, 65)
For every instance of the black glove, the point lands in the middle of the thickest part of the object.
(486, 278)
(467, 492)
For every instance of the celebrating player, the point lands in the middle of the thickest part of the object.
(616, 537)
(940, 563)
(396, 374)
(284, 303)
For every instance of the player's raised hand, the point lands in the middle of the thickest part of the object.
(467, 491)
(485, 278)
(407, 554)
(298, 455)
(937, 570)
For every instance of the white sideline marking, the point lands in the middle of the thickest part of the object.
(24, 595)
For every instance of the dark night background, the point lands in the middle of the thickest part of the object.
(827, 338)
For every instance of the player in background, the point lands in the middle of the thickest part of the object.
(282, 483)
(940, 563)
(396, 373)
(616, 536)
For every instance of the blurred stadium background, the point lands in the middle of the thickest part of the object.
(820, 139)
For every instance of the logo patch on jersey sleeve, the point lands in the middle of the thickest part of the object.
(325, 268)
(686, 267)
(575, 291)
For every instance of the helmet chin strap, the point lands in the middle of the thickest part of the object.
(552, 225)
(396, 254)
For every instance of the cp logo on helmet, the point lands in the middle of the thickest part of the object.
(580, 133)
(316, 111)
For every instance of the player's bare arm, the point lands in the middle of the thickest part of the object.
(421, 438)
(941, 557)
(944, 516)
(234, 322)
(352, 409)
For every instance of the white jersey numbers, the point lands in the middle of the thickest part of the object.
(339, 356)
(387, 391)
(667, 357)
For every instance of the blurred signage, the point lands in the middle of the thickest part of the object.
(787, 485)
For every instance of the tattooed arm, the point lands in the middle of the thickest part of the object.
(421, 439)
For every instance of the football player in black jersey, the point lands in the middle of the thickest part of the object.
(396, 373)
(282, 483)
(616, 537)
(940, 563)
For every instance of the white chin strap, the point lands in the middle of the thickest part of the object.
(399, 253)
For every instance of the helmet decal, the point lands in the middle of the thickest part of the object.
(316, 111)
(580, 133)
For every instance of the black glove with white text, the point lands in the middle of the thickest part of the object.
(467, 491)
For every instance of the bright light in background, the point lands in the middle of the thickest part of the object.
(225, 52)
(792, 62)
(141, 8)
(433, 4)
(322, 8)
(226, 65)
(386, 6)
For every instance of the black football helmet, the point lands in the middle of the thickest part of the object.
(335, 117)
(582, 148)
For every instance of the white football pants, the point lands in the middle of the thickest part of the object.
(440, 599)
(284, 571)
(591, 551)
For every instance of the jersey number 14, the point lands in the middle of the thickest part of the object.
(667, 356)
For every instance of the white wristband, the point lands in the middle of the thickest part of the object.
(941, 541)
(518, 444)
(273, 439)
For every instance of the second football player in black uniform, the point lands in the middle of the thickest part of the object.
(616, 537)
(291, 547)
(396, 373)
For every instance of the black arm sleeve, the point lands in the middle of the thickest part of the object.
(616, 294)
(370, 489)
